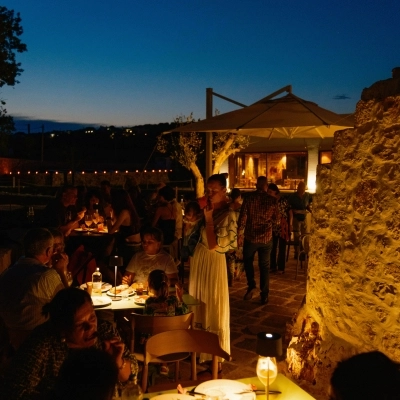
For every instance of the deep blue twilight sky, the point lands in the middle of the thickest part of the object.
(131, 62)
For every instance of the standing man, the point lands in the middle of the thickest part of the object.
(259, 211)
(300, 203)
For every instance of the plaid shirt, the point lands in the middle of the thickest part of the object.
(258, 213)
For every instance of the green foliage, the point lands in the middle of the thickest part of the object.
(182, 147)
(239, 142)
(10, 30)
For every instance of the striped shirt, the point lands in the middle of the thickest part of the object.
(258, 213)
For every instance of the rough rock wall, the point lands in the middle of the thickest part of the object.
(353, 288)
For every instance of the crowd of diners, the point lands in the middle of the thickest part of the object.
(55, 338)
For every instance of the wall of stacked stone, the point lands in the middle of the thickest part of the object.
(353, 286)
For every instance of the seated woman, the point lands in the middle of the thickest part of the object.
(166, 214)
(72, 325)
(152, 257)
(160, 301)
(94, 203)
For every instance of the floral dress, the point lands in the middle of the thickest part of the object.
(208, 279)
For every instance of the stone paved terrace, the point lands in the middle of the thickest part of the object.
(250, 317)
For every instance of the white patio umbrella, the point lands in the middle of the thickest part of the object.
(286, 117)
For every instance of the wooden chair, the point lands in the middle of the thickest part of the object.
(143, 326)
(184, 340)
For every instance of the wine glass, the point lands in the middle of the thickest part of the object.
(95, 218)
(88, 221)
(69, 277)
(267, 371)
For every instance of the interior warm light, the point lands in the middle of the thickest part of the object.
(104, 172)
(126, 171)
(47, 172)
(137, 170)
(83, 172)
(37, 172)
(56, 172)
(29, 172)
(18, 172)
(95, 172)
(145, 170)
(116, 172)
(70, 172)
(152, 170)
(10, 173)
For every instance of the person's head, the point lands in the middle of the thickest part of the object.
(301, 188)
(216, 188)
(152, 239)
(262, 183)
(167, 193)
(93, 197)
(273, 190)
(69, 195)
(366, 376)
(87, 374)
(192, 211)
(72, 314)
(105, 187)
(158, 283)
(235, 194)
(38, 243)
(120, 200)
(58, 240)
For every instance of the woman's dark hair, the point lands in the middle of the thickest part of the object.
(167, 192)
(235, 193)
(220, 178)
(273, 187)
(61, 310)
(366, 376)
(158, 282)
(156, 233)
(193, 206)
(120, 200)
(87, 374)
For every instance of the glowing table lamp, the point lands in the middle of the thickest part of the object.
(116, 261)
(269, 346)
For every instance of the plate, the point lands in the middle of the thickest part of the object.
(229, 387)
(120, 288)
(99, 301)
(172, 396)
(105, 288)
(141, 300)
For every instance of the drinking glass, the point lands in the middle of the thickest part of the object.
(267, 371)
(88, 221)
(68, 275)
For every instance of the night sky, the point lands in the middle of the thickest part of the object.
(131, 62)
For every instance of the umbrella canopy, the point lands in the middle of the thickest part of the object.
(286, 117)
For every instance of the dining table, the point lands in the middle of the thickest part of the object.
(287, 388)
(130, 303)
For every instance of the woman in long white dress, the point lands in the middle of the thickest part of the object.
(208, 275)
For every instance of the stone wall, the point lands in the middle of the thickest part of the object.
(353, 287)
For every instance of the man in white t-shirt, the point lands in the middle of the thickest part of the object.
(152, 257)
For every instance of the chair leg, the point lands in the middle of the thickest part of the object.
(145, 377)
(193, 367)
(176, 371)
(214, 367)
(297, 265)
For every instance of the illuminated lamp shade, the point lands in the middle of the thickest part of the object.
(269, 346)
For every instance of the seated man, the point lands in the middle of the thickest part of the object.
(152, 257)
(29, 284)
(61, 213)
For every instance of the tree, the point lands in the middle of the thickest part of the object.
(10, 30)
(185, 148)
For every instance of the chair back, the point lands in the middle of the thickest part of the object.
(186, 340)
(143, 326)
